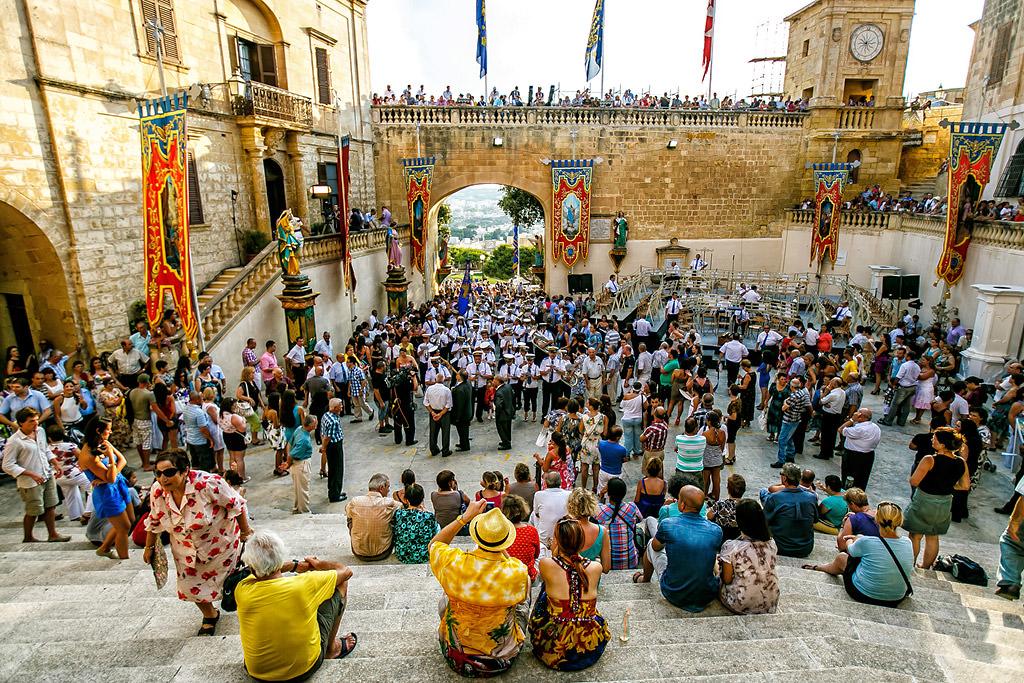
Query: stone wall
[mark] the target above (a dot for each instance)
(984, 93)
(923, 162)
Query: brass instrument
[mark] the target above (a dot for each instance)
(540, 341)
(572, 373)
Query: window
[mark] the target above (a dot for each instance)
(807, 47)
(323, 77)
(327, 174)
(254, 61)
(161, 12)
(853, 156)
(1000, 54)
(195, 199)
(1011, 182)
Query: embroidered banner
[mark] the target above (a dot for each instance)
(972, 146)
(828, 198)
(343, 213)
(570, 227)
(595, 43)
(418, 174)
(515, 250)
(165, 209)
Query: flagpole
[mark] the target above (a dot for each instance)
(711, 55)
(604, 15)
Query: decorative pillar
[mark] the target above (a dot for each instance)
(877, 273)
(298, 298)
(994, 327)
(397, 288)
(252, 143)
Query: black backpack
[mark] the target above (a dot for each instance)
(963, 569)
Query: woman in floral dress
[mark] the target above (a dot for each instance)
(592, 427)
(207, 523)
(749, 582)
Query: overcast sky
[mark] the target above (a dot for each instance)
(654, 43)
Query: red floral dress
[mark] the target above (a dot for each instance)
(205, 539)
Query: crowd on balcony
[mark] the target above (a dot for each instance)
(584, 98)
(875, 199)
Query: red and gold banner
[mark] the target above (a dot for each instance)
(418, 175)
(344, 180)
(972, 146)
(570, 227)
(165, 209)
(828, 200)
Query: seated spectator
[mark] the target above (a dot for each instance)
(549, 506)
(289, 624)
(861, 519)
(582, 506)
(876, 569)
(791, 514)
(370, 520)
(486, 594)
(683, 553)
(833, 508)
(408, 479)
(492, 484)
(448, 500)
(524, 486)
(526, 547)
(749, 582)
(723, 512)
(670, 508)
(566, 630)
(621, 520)
(651, 490)
(414, 527)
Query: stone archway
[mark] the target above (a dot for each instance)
(34, 300)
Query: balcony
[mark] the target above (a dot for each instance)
(267, 105)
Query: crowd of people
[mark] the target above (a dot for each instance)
(874, 198)
(601, 394)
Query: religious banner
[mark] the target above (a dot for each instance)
(972, 147)
(828, 198)
(515, 250)
(418, 174)
(570, 227)
(343, 212)
(165, 210)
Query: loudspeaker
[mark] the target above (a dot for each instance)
(910, 287)
(891, 286)
(581, 284)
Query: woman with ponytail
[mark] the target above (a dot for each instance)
(621, 520)
(567, 632)
(936, 477)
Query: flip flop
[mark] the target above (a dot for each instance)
(345, 650)
(812, 567)
(209, 625)
(637, 576)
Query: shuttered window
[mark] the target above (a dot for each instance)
(323, 76)
(161, 12)
(254, 61)
(1011, 181)
(1000, 54)
(195, 199)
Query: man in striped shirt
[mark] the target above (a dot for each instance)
(332, 450)
(690, 455)
(654, 437)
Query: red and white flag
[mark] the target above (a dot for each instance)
(709, 33)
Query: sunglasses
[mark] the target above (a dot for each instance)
(169, 472)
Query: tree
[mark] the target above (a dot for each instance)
(522, 207)
(457, 257)
(525, 259)
(444, 220)
(499, 263)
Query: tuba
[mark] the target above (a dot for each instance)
(540, 341)
(572, 374)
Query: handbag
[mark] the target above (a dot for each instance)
(543, 438)
(158, 562)
(910, 589)
(231, 581)
(244, 409)
(762, 420)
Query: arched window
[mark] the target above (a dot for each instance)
(853, 156)
(1011, 182)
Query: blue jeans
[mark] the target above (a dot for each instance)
(1011, 561)
(631, 430)
(786, 447)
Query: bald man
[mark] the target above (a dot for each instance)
(682, 555)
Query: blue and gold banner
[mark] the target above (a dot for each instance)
(465, 291)
(165, 209)
(481, 37)
(595, 42)
(570, 184)
(972, 147)
(418, 175)
(829, 180)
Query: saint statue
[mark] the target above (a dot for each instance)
(442, 252)
(620, 229)
(538, 251)
(394, 248)
(289, 241)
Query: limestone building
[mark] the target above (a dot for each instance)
(271, 83)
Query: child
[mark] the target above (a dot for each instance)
(235, 481)
(274, 433)
(408, 479)
(72, 482)
(833, 507)
(489, 400)
(492, 484)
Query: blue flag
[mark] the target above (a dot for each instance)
(515, 250)
(595, 42)
(481, 38)
(464, 292)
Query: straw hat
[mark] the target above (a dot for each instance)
(492, 531)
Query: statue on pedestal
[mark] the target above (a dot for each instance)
(442, 252)
(620, 230)
(394, 248)
(289, 241)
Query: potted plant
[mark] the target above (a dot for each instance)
(253, 242)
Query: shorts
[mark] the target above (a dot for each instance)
(659, 560)
(40, 498)
(692, 478)
(142, 434)
(604, 477)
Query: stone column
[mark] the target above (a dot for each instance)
(994, 326)
(254, 148)
(300, 198)
(877, 273)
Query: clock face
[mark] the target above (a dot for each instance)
(866, 42)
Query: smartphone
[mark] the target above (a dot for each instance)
(490, 505)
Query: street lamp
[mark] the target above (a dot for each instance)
(236, 89)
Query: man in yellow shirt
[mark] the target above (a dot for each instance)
(849, 364)
(487, 594)
(289, 624)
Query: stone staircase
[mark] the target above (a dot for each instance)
(67, 614)
(212, 290)
(918, 188)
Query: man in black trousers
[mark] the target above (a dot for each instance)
(504, 412)
(462, 409)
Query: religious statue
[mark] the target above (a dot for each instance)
(289, 241)
(394, 248)
(538, 251)
(620, 229)
(442, 252)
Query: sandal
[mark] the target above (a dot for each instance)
(812, 567)
(323, 474)
(209, 625)
(637, 576)
(345, 649)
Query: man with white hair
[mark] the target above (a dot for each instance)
(332, 453)
(369, 520)
(289, 623)
(549, 506)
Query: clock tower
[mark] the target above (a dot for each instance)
(848, 58)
